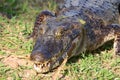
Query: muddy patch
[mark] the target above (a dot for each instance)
(14, 61)
(20, 67)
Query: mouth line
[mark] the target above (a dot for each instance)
(42, 68)
(50, 65)
(42, 65)
(46, 67)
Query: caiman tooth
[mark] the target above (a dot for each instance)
(43, 65)
(48, 64)
(40, 66)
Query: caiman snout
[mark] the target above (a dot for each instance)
(39, 56)
(41, 60)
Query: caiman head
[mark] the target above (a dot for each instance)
(57, 38)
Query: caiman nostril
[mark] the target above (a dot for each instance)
(40, 56)
(37, 56)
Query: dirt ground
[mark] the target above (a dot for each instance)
(23, 68)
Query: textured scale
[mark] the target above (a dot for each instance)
(61, 33)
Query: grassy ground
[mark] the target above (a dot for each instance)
(102, 65)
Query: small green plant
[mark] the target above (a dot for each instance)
(12, 7)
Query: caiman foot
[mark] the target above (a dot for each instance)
(117, 45)
(116, 28)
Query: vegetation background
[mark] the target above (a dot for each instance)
(16, 22)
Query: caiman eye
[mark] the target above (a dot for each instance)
(41, 31)
(59, 32)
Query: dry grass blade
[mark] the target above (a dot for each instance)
(27, 57)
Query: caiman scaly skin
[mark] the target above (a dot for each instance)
(64, 34)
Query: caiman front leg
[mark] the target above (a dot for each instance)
(117, 44)
(116, 28)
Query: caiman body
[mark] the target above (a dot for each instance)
(79, 26)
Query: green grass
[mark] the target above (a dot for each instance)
(94, 67)
(13, 34)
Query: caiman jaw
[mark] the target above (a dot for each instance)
(42, 68)
(49, 65)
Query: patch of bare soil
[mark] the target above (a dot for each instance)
(27, 74)
(16, 63)
(22, 67)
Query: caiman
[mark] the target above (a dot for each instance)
(77, 27)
